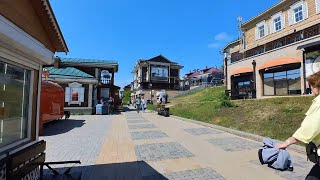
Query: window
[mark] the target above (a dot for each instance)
(244, 87)
(318, 6)
(15, 89)
(74, 94)
(298, 14)
(261, 30)
(282, 83)
(277, 23)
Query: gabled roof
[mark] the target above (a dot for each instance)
(229, 44)
(69, 72)
(212, 70)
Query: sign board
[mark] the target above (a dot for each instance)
(159, 73)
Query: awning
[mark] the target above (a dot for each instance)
(241, 71)
(308, 45)
(279, 62)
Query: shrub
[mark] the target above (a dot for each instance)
(224, 101)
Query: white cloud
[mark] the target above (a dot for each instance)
(214, 45)
(220, 40)
(223, 37)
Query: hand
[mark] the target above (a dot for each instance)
(281, 146)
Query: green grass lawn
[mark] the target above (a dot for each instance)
(275, 117)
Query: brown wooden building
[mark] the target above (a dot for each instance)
(29, 37)
(85, 82)
(156, 73)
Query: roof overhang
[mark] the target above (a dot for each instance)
(302, 47)
(49, 21)
(98, 65)
(228, 45)
(241, 71)
(70, 79)
(279, 62)
(269, 12)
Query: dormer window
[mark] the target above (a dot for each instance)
(261, 30)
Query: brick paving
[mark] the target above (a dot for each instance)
(159, 148)
(161, 151)
(234, 144)
(202, 131)
(148, 135)
(141, 126)
(201, 174)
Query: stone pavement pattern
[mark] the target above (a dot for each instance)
(148, 146)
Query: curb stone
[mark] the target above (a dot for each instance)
(295, 148)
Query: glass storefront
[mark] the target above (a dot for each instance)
(282, 83)
(244, 87)
(14, 103)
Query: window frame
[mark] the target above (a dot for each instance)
(265, 30)
(295, 13)
(291, 13)
(80, 88)
(30, 103)
(273, 27)
(317, 2)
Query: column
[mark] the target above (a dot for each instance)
(96, 89)
(90, 96)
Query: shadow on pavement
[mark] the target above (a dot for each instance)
(128, 170)
(61, 126)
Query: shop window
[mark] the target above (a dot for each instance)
(282, 83)
(15, 84)
(244, 87)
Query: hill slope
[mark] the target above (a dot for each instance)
(275, 117)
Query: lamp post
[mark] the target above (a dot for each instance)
(254, 93)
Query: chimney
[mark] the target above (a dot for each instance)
(206, 67)
(56, 63)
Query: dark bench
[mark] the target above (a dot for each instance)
(28, 163)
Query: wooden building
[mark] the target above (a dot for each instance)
(156, 73)
(29, 37)
(85, 82)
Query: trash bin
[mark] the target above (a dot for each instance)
(166, 112)
(101, 109)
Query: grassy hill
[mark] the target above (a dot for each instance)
(274, 117)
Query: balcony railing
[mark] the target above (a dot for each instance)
(289, 39)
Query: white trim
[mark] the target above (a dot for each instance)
(262, 23)
(294, 6)
(272, 22)
(67, 80)
(17, 58)
(317, 2)
(90, 95)
(24, 41)
(30, 104)
(38, 102)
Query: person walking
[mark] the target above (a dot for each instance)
(143, 104)
(309, 131)
(110, 105)
(138, 103)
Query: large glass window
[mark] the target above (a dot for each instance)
(282, 83)
(14, 102)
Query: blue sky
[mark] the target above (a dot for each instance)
(185, 31)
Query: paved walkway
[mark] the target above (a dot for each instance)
(148, 146)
